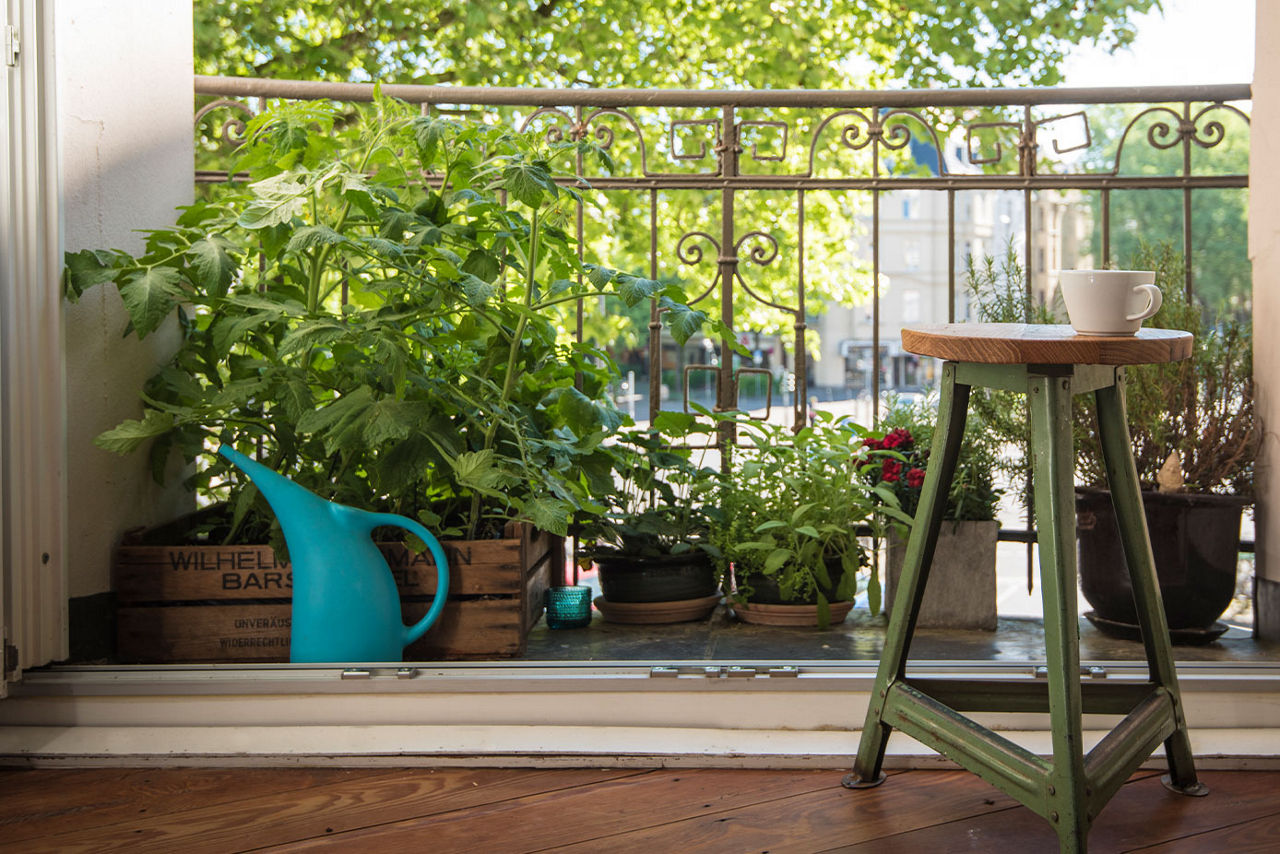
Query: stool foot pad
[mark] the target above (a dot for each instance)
(854, 781)
(1195, 790)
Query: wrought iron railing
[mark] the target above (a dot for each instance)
(1008, 140)
(732, 148)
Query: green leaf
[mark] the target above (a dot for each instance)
(314, 235)
(428, 131)
(600, 277)
(577, 410)
(390, 420)
(477, 291)
(634, 290)
(149, 295)
(482, 264)
(684, 322)
(227, 331)
(312, 333)
(476, 469)
(129, 434)
(212, 264)
(808, 531)
(339, 423)
(528, 182)
(798, 513)
(674, 424)
(873, 593)
(770, 525)
(279, 199)
(776, 559)
(91, 267)
(549, 514)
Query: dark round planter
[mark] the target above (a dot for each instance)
(669, 578)
(764, 588)
(1194, 539)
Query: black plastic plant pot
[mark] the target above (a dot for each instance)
(765, 590)
(1195, 540)
(669, 578)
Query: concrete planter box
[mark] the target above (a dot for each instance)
(961, 592)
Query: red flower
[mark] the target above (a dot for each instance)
(890, 471)
(896, 438)
(915, 478)
(872, 443)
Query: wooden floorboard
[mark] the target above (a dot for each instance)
(575, 811)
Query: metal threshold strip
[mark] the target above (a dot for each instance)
(587, 677)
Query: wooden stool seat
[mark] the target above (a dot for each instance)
(1050, 365)
(1041, 344)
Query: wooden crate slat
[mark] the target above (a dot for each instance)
(193, 573)
(203, 633)
(470, 628)
(496, 592)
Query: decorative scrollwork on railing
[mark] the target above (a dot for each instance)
(1215, 131)
(233, 128)
(1057, 146)
(691, 255)
(971, 131)
(886, 130)
(755, 146)
(763, 253)
(1176, 128)
(676, 151)
(554, 133)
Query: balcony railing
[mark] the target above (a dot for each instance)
(982, 167)
(736, 147)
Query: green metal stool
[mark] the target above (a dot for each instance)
(1050, 364)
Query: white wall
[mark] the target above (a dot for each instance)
(124, 77)
(1264, 251)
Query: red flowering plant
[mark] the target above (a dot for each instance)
(899, 461)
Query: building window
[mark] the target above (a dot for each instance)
(910, 306)
(911, 255)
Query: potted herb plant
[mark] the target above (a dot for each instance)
(378, 313)
(651, 545)
(961, 592)
(788, 509)
(1194, 442)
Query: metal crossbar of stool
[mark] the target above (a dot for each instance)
(1050, 364)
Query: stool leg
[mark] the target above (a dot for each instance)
(909, 591)
(1049, 399)
(1122, 477)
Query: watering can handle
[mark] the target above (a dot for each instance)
(418, 629)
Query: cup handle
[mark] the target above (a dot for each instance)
(1157, 298)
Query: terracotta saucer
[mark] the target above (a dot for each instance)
(678, 611)
(789, 615)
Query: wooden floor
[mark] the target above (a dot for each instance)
(582, 810)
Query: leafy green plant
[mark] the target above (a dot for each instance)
(906, 435)
(1200, 409)
(662, 485)
(789, 506)
(380, 313)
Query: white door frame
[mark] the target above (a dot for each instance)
(32, 395)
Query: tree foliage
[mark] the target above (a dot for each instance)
(659, 43)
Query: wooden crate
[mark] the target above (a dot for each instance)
(180, 604)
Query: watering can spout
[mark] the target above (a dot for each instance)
(345, 603)
(297, 508)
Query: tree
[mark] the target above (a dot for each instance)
(764, 44)
(660, 43)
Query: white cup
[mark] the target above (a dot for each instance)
(1109, 302)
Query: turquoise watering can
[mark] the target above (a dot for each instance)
(345, 603)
